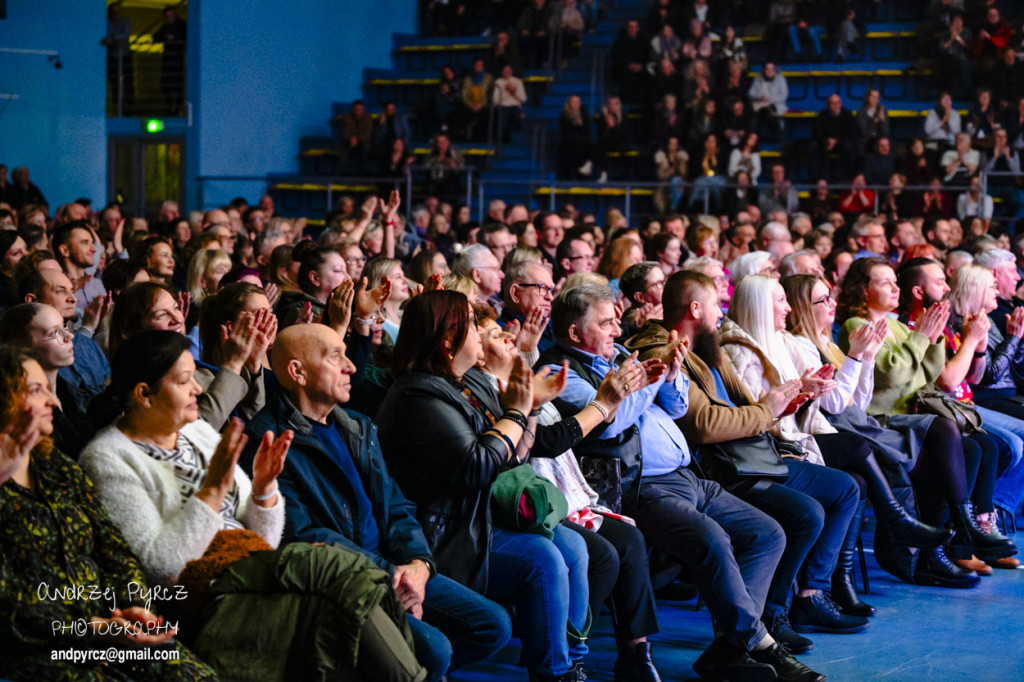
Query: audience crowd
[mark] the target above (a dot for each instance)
(373, 449)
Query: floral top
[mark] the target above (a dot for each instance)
(58, 534)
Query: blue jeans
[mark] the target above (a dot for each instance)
(547, 580)
(1009, 490)
(815, 507)
(730, 548)
(459, 627)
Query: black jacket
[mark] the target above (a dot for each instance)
(431, 439)
(318, 497)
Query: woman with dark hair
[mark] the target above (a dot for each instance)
(142, 306)
(618, 569)
(946, 471)
(446, 435)
(667, 251)
(708, 173)
(168, 478)
(236, 326)
(426, 264)
(321, 270)
(12, 250)
(55, 531)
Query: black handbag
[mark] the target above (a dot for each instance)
(734, 461)
(964, 415)
(604, 475)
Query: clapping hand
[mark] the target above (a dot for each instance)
(268, 464)
(547, 385)
(818, 382)
(17, 441)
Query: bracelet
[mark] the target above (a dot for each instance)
(363, 321)
(269, 496)
(508, 441)
(535, 413)
(516, 417)
(600, 407)
(979, 353)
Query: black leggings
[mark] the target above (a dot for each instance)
(618, 568)
(949, 467)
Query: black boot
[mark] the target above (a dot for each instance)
(935, 568)
(636, 665)
(843, 592)
(905, 529)
(970, 534)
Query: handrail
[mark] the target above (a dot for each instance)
(148, 31)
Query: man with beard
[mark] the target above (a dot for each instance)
(814, 504)
(939, 234)
(730, 548)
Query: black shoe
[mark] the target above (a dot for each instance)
(786, 667)
(721, 661)
(782, 632)
(818, 613)
(935, 568)
(636, 665)
(575, 674)
(845, 597)
(970, 534)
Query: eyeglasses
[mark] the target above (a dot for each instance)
(356, 259)
(721, 279)
(825, 300)
(660, 284)
(62, 333)
(590, 257)
(542, 289)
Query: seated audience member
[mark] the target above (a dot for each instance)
(150, 306)
(666, 249)
(815, 505)
(320, 272)
(158, 255)
(730, 548)
(237, 326)
(55, 531)
(765, 355)
(446, 435)
(805, 262)
(337, 490)
(618, 557)
(622, 253)
(960, 163)
(478, 264)
(12, 250)
(75, 248)
(390, 269)
(879, 163)
(38, 329)
(869, 234)
(641, 286)
(88, 375)
(908, 362)
(702, 240)
(753, 263)
(166, 476)
(171, 485)
(528, 294)
(1003, 265)
(972, 298)
(713, 269)
(942, 124)
(575, 254)
(426, 264)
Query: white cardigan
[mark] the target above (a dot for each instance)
(855, 381)
(143, 499)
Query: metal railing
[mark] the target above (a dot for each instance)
(150, 80)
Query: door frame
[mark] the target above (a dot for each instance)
(138, 209)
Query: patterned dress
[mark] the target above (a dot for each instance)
(58, 533)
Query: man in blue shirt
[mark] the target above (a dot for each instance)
(337, 489)
(730, 548)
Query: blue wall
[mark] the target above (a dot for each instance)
(268, 77)
(261, 76)
(56, 127)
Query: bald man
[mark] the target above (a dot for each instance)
(338, 489)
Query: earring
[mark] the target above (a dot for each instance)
(451, 356)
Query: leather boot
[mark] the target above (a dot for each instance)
(636, 665)
(574, 674)
(905, 529)
(970, 534)
(992, 528)
(843, 592)
(935, 568)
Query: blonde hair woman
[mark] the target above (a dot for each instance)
(205, 271)
(766, 355)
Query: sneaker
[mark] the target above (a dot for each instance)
(785, 666)
(722, 661)
(782, 632)
(818, 613)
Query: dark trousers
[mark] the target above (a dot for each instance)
(814, 506)
(459, 627)
(730, 548)
(618, 569)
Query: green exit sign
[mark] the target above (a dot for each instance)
(154, 125)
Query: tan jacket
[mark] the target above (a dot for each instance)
(708, 418)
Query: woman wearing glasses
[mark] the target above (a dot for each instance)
(39, 329)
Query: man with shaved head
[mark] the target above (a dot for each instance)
(338, 489)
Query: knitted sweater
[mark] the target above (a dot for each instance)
(143, 499)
